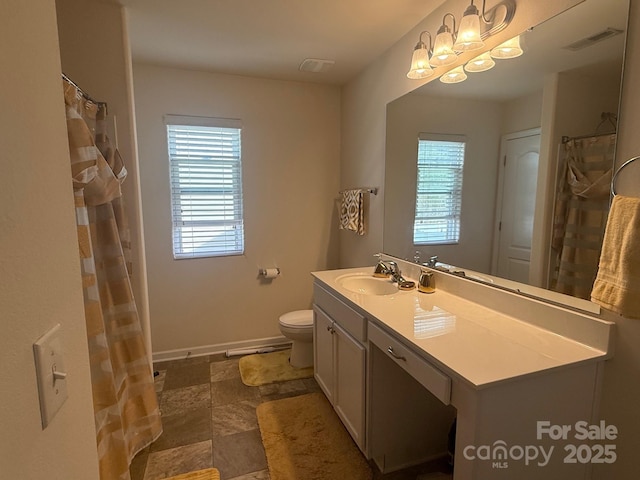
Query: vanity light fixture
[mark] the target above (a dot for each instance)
(443, 53)
(509, 49)
(456, 75)
(481, 63)
(420, 67)
(476, 26)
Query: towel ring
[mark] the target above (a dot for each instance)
(615, 175)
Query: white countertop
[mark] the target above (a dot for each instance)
(464, 339)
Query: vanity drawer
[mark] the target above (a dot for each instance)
(345, 316)
(426, 374)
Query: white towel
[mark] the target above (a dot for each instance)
(617, 285)
(351, 209)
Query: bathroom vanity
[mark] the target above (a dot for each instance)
(399, 366)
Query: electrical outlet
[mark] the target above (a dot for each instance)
(50, 373)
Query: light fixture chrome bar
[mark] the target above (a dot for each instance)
(492, 26)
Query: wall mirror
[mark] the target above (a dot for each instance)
(562, 92)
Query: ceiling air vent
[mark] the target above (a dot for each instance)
(315, 65)
(592, 39)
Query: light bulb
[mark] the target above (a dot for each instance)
(481, 63)
(469, 32)
(456, 75)
(420, 67)
(443, 53)
(509, 49)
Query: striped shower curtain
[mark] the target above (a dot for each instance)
(127, 418)
(581, 209)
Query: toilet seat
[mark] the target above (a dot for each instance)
(298, 319)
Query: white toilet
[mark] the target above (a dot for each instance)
(298, 327)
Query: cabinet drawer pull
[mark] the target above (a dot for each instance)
(395, 355)
(330, 329)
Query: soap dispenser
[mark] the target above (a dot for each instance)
(427, 282)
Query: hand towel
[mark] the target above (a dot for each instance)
(617, 284)
(352, 211)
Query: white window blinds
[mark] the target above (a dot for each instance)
(439, 189)
(206, 186)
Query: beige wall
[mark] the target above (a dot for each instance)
(98, 60)
(582, 97)
(290, 155)
(363, 133)
(523, 113)
(39, 266)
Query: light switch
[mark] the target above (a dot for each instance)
(51, 374)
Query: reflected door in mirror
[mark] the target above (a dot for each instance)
(521, 153)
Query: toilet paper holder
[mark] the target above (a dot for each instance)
(269, 272)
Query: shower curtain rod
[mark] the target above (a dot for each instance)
(84, 94)
(566, 139)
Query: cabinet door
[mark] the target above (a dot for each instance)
(349, 395)
(324, 368)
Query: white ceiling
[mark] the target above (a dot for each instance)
(270, 38)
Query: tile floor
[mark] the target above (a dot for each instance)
(209, 420)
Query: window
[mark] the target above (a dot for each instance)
(439, 189)
(206, 186)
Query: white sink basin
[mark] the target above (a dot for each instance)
(367, 285)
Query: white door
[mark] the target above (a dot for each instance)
(520, 153)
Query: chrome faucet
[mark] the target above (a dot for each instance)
(382, 270)
(396, 274)
(433, 261)
(390, 269)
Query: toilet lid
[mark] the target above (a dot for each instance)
(298, 318)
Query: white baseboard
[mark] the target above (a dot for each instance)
(182, 353)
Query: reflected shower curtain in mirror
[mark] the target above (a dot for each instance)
(127, 417)
(580, 217)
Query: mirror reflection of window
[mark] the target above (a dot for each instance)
(438, 189)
